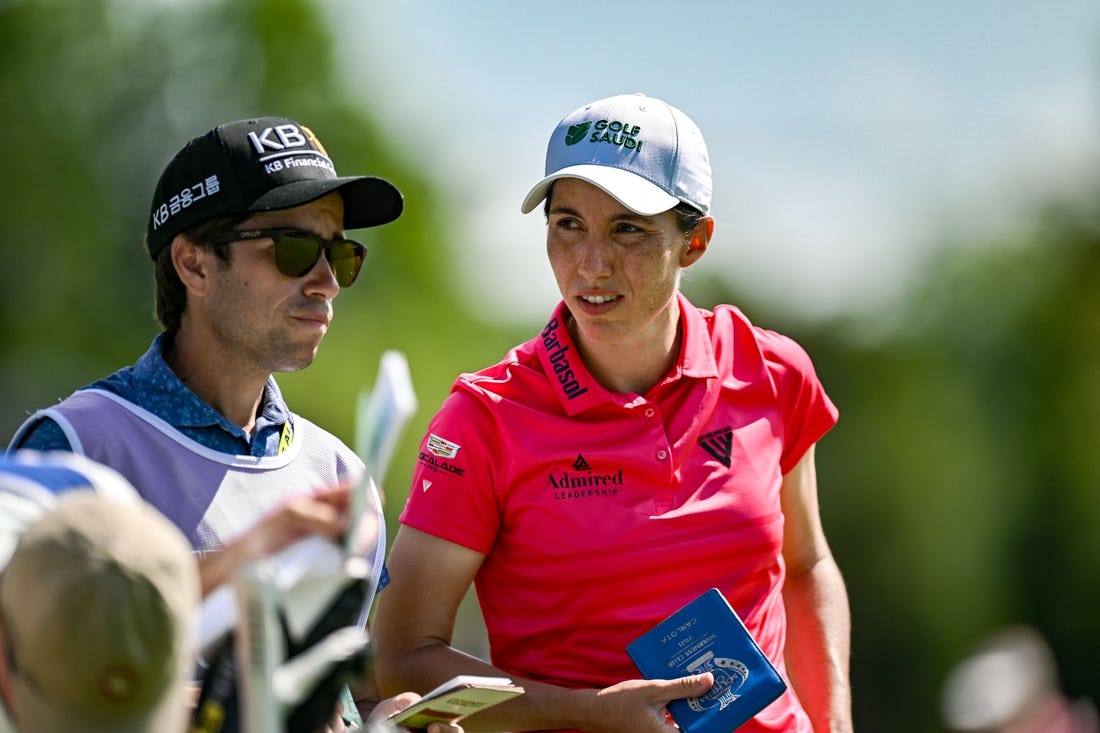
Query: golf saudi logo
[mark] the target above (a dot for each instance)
(576, 133)
(730, 676)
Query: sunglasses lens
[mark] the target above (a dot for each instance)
(346, 257)
(296, 253)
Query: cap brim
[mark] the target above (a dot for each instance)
(368, 201)
(629, 189)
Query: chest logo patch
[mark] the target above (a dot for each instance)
(583, 482)
(719, 443)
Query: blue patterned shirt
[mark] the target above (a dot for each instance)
(151, 384)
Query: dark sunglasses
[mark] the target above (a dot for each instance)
(297, 251)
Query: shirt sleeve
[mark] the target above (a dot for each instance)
(45, 435)
(808, 413)
(454, 492)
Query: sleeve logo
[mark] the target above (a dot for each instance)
(442, 447)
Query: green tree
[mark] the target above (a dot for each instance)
(960, 487)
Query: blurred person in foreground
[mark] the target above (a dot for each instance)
(636, 452)
(96, 611)
(1009, 684)
(30, 485)
(91, 591)
(247, 233)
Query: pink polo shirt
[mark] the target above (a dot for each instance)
(600, 513)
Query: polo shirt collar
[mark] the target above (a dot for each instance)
(569, 378)
(696, 350)
(159, 383)
(576, 388)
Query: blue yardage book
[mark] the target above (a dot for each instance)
(707, 635)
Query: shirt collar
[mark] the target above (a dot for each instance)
(576, 388)
(570, 379)
(696, 350)
(153, 372)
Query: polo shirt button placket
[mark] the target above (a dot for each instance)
(665, 501)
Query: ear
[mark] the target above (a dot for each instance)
(697, 242)
(192, 263)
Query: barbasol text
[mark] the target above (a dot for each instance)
(556, 352)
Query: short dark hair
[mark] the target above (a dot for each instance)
(687, 217)
(170, 297)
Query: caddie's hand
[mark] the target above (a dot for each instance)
(397, 703)
(638, 706)
(323, 512)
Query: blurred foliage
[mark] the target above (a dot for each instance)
(99, 95)
(960, 487)
(959, 491)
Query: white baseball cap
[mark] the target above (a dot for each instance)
(645, 153)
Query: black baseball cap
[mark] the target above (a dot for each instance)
(263, 164)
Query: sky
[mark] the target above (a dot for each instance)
(847, 138)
